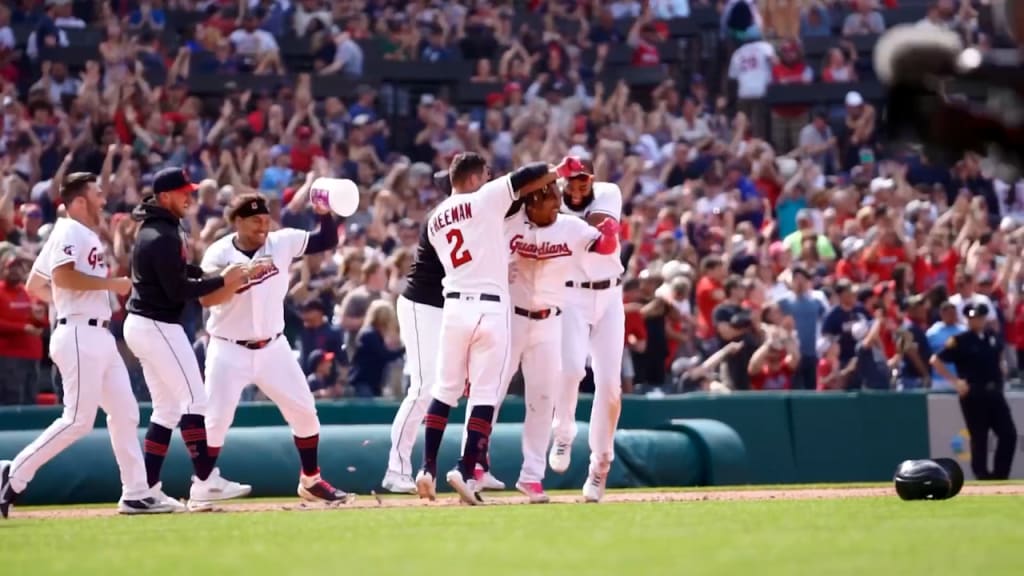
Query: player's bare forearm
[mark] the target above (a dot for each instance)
(68, 278)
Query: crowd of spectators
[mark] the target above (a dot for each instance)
(766, 246)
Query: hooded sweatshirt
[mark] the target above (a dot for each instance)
(162, 278)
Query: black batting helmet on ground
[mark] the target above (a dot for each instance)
(922, 480)
(956, 474)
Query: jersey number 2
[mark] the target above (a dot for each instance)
(458, 255)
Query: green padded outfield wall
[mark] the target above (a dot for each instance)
(353, 458)
(789, 437)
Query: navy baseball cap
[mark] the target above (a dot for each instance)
(976, 311)
(173, 180)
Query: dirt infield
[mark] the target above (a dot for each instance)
(505, 499)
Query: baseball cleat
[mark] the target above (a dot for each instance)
(398, 483)
(486, 481)
(593, 490)
(157, 492)
(426, 486)
(534, 491)
(316, 489)
(147, 505)
(466, 489)
(200, 506)
(214, 489)
(6, 492)
(560, 456)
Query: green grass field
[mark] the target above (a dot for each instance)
(969, 535)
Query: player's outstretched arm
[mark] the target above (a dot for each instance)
(531, 178)
(242, 271)
(171, 271)
(325, 238)
(536, 176)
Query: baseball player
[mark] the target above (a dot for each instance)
(545, 246)
(419, 312)
(594, 323)
(465, 231)
(161, 283)
(72, 274)
(245, 326)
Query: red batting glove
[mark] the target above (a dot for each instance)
(570, 166)
(608, 227)
(609, 239)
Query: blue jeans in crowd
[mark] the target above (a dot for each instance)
(910, 383)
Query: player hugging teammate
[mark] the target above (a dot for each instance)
(526, 297)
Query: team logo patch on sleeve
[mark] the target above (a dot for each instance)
(69, 250)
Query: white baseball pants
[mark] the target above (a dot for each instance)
(594, 322)
(231, 367)
(170, 367)
(417, 325)
(94, 376)
(536, 345)
(474, 346)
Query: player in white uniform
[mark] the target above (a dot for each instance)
(465, 230)
(245, 326)
(594, 323)
(419, 310)
(84, 351)
(546, 247)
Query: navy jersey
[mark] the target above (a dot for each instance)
(425, 275)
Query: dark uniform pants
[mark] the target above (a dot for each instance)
(983, 412)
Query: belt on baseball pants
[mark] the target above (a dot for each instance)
(86, 321)
(252, 344)
(600, 285)
(537, 314)
(484, 297)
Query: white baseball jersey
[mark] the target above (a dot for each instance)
(544, 257)
(72, 241)
(256, 311)
(597, 267)
(751, 68)
(466, 231)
